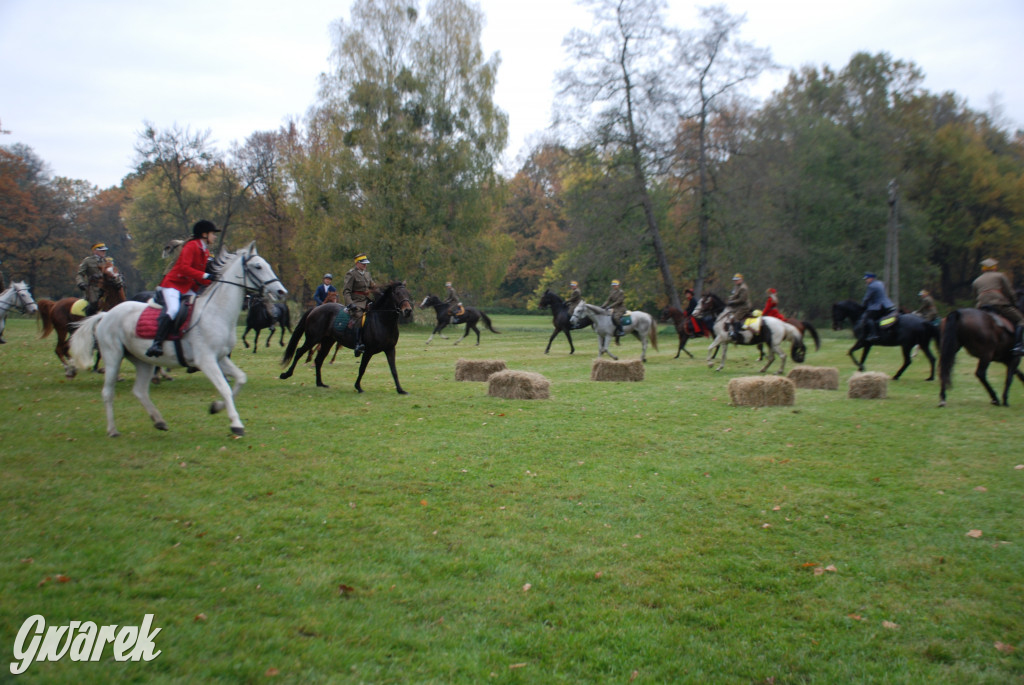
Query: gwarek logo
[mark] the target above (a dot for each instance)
(81, 641)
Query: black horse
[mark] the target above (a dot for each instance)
(445, 316)
(560, 316)
(986, 336)
(261, 316)
(847, 309)
(380, 332)
(909, 330)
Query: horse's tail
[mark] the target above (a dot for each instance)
(487, 322)
(949, 345)
(84, 341)
(654, 335)
(297, 333)
(46, 316)
(814, 334)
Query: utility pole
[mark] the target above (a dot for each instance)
(891, 275)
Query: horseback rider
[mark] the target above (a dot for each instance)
(617, 303)
(575, 297)
(356, 292)
(771, 305)
(90, 277)
(927, 310)
(455, 307)
(188, 273)
(995, 293)
(738, 305)
(324, 289)
(876, 304)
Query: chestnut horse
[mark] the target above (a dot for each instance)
(57, 316)
(986, 336)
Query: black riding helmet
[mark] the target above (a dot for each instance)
(204, 226)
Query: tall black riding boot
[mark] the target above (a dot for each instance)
(163, 329)
(358, 349)
(1018, 341)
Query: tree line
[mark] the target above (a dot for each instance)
(659, 170)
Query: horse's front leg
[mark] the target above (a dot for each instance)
(244, 342)
(572, 348)
(858, 345)
(551, 340)
(390, 354)
(362, 369)
(725, 351)
(906, 362)
(982, 374)
(270, 335)
(217, 370)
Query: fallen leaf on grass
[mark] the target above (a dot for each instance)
(61, 578)
(974, 533)
(27, 560)
(598, 574)
(522, 665)
(1004, 648)
(199, 618)
(346, 590)
(981, 488)
(819, 571)
(634, 675)
(44, 581)
(271, 672)
(526, 588)
(890, 625)
(856, 617)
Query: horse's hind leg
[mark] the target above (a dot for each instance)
(981, 373)
(906, 363)
(143, 378)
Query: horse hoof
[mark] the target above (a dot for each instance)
(216, 407)
(942, 403)
(238, 430)
(322, 385)
(402, 392)
(113, 434)
(160, 426)
(285, 375)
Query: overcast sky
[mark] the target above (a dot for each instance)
(79, 77)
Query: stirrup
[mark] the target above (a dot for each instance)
(156, 350)
(359, 349)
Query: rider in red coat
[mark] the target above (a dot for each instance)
(771, 305)
(188, 272)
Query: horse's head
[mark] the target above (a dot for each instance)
(429, 301)
(112, 275)
(549, 299)
(256, 272)
(395, 296)
(25, 301)
(331, 297)
(667, 315)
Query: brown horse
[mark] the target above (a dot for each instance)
(58, 316)
(985, 336)
(380, 332)
(686, 326)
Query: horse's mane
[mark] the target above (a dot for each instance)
(385, 292)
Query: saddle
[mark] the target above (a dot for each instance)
(1000, 320)
(457, 312)
(146, 326)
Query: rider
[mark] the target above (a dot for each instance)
(995, 293)
(617, 303)
(927, 310)
(453, 301)
(575, 296)
(738, 304)
(323, 289)
(356, 291)
(90, 277)
(188, 273)
(771, 305)
(876, 304)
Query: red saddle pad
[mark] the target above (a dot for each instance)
(146, 326)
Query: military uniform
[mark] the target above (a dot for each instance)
(356, 293)
(617, 303)
(90, 280)
(994, 292)
(738, 303)
(453, 301)
(927, 311)
(575, 297)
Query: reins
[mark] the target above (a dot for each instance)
(17, 303)
(244, 285)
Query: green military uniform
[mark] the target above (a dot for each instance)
(575, 297)
(356, 293)
(89, 278)
(617, 303)
(927, 311)
(453, 301)
(739, 300)
(994, 292)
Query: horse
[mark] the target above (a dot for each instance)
(770, 332)
(144, 296)
(206, 343)
(846, 309)
(380, 332)
(909, 330)
(642, 326)
(686, 325)
(15, 297)
(469, 317)
(985, 336)
(263, 315)
(58, 316)
(560, 317)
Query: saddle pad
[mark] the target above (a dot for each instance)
(887, 321)
(146, 326)
(340, 322)
(626, 320)
(78, 308)
(753, 323)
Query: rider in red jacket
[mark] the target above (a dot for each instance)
(771, 305)
(188, 272)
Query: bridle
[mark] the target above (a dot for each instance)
(244, 285)
(19, 303)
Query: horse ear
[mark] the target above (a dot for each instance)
(251, 248)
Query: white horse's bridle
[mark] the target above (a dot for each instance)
(22, 300)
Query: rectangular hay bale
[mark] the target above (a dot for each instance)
(762, 391)
(870, 385)
(477, 369)
(623, 370)
(815, 377)
(518, 385)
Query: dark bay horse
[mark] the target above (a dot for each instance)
(908, 331)
(686, 327)
(847, 309)
(380, 332)
(470, 317)
(560, 316)
(261, 315)
(983, 335)
(58, 316)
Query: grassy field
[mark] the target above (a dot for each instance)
(618, 532)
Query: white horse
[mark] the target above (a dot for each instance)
(642, 326)
(206, 343)
(766, 330)
(15, 297)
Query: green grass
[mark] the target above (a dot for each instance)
(665, 535)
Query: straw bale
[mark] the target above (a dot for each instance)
(815, 377)
(870, 385)
(762, 391)
(518, 385)
(624, 370)
(477, 370)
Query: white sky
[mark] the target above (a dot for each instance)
(79, 77)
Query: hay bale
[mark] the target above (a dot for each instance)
(609, 370)
(762, 391)
(815, 377)
(518, 385)
(477, 370)
(870, 385)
